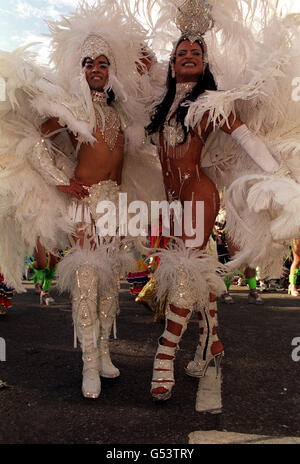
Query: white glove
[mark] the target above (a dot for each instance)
(256, 149)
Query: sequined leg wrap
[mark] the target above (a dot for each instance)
(108, 310)
(84, 305)
(181, 300)
(209, 347)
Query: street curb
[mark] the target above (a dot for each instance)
(231, 438)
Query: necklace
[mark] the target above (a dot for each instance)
(107, 119)
(181, 91)
(173, 131)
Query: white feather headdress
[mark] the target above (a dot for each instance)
(102, 27)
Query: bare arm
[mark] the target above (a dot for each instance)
(234, 123)
(51, 126)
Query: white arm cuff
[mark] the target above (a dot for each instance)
(41, 161)
(256, 149)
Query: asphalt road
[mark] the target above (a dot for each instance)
(42, 403)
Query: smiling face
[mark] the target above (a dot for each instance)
(96, 72)
(188, 65)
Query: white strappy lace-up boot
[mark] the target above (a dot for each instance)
(181, 303)
(209, 347)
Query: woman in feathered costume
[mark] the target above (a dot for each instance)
(188, 119)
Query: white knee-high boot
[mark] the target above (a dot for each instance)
(108, 309)
(84, 309)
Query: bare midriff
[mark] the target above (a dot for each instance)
(98, 163)
(184, 180)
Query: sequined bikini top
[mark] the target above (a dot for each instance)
(107, 119)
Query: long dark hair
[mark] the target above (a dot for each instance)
(205, 81)
(110, 96)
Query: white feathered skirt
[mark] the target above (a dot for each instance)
(107, 254)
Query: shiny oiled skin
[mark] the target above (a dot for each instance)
(198, 187)
(94, 162)
(97, 162)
